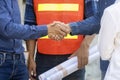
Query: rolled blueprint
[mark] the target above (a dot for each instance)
(68, 67)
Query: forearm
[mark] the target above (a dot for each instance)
(14, 30)
(88, 26)
(31, 62)
(18, 31)
(88, 40)
(30, 45)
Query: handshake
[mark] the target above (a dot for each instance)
(58, 30)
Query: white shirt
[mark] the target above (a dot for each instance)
(117, 1)
(109, 40)
(109, 36)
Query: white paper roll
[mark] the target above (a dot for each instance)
(68, 67)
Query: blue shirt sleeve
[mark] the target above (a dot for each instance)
(10, 29)
(91, 23)
(88, 26)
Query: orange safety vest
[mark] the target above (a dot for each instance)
(46, 12)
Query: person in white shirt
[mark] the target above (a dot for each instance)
(109, 40)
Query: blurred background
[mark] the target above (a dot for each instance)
(92, 70)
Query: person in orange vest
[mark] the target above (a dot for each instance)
(50, 52)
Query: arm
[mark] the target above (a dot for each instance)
(12, 30)
(30, 44)
(86, 27)
(91, 23)
(83, 52)
(107, 35)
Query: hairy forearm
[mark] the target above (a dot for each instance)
(30, 44)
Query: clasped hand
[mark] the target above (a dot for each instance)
(58, 30)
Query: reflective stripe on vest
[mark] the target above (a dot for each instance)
(64, 10)
(58, 7)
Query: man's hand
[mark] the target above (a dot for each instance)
(83, 51)
(82, 54)
(57, 30)
(32, 69)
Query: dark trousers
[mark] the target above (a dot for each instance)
(46, 62)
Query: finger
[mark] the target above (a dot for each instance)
(30, 72)
(79, 62)
(86, 57)
(60, 32)
(56, 22)
(65, 28)
(83, 61)
(34, 72)
(32, 78)
(30, 75)
(86, 60)
(73, 55)
(52, 36)
(58, 37)
(62, 29)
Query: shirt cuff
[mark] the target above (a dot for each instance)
(74, 28)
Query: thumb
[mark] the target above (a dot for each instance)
(73, 55)
(34, 72)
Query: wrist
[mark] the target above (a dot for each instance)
(31, 57)
(69, 28)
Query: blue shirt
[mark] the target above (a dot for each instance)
(11, 30)
(90, 24)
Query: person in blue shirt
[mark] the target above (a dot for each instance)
(12, 66)
(39, 66)
(91, 26)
